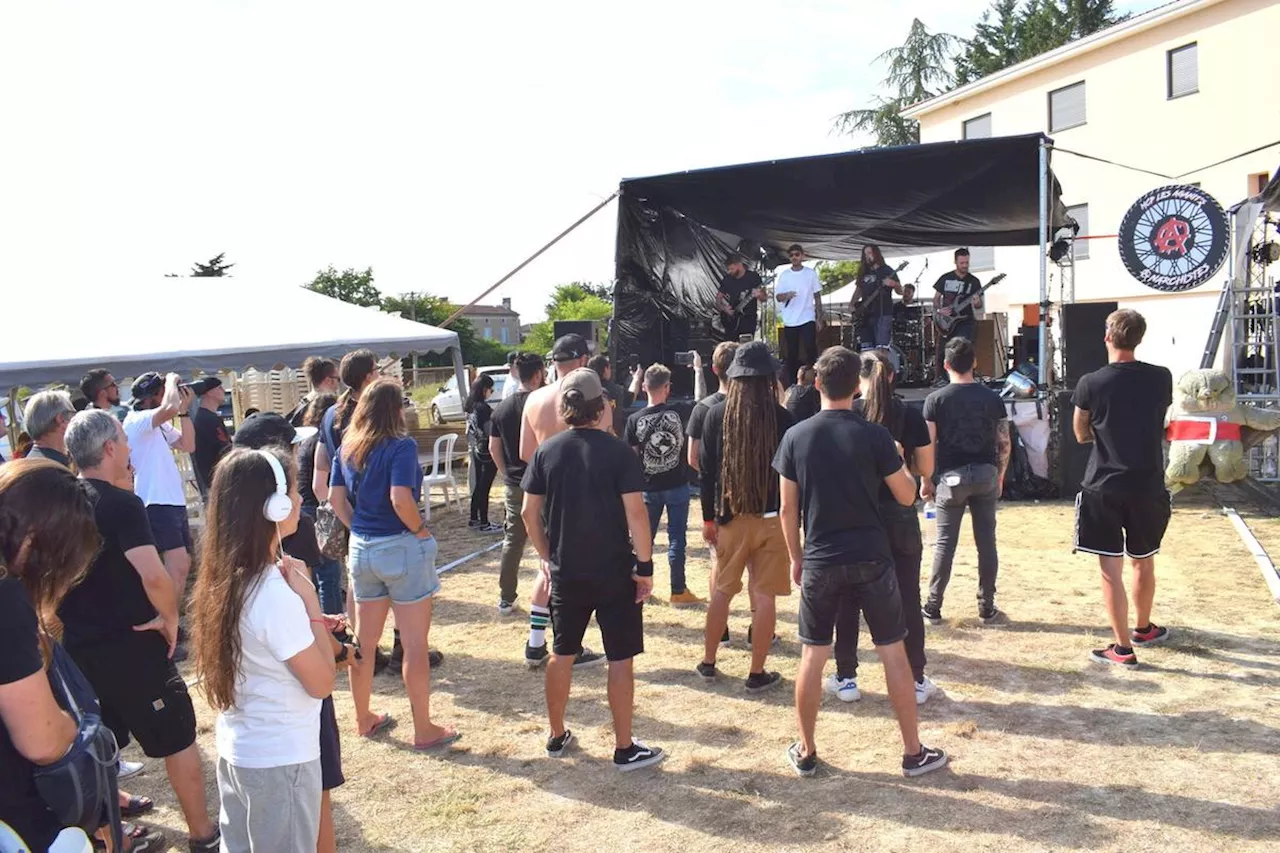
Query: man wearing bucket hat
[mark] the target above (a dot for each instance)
(740, 504)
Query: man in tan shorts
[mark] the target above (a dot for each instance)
(740, 502)
(540, 421)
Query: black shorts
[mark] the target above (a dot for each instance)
(869, 587)
(1118, 525)
(141, 692)
(330, 747)
(169, 527)
(620, 618)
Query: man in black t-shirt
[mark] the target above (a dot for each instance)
(873, 300)
(948, 290)
(656, 432)
(737, 299)
(846, 561)
(584, 510)
(212, 441)
(1123, 506)
(619, 398)
(504, 447)
(120, 624)
(970, 429)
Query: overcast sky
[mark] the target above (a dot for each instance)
(439, 143)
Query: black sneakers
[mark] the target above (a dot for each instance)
(724, 639)
(636, 756)
(587, 658)
(773, 644)
(990, 615)
(804, 765)
(556, 746)
(535, 656)
(932, 614)
(708, 672)
(925, 761)
(758, 681)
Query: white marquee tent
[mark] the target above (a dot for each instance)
(186, 325)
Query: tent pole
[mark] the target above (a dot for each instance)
(530, 260)
(1044, 264)
(460, 371)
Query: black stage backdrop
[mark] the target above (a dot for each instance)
(675, 231)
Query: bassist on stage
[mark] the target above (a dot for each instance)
(951, 288)
(737, 297)
(872, 305)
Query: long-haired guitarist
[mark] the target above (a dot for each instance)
(737, 297)
(873, 301)
(953, 287)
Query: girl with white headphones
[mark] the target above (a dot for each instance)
(264, 656)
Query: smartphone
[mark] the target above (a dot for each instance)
(685, 358)
(634, 361)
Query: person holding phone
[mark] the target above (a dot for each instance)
(263, 656)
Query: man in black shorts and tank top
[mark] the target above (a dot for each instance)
(1123, 507)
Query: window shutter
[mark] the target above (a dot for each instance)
(1184, 71)
(978, 128)
(1066, 107)
(1080, 213)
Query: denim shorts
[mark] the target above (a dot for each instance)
(400, 567)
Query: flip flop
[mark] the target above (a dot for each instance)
(136, 806)
(440, 742)
(379, 726)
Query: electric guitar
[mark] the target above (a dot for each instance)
(947, 322)
(859, 308)
(730, 320)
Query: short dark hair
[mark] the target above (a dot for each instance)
(735, 258)
(529, 365)
(319, 369)
(795, 247)
(1126, 328)
(577, 412)
(838, 372)
(511, 357)
(93, 383)
(962, 252)
(599, 363)
(959, 355)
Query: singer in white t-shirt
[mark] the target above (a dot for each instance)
(799, 295)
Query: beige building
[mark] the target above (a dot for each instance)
(1177, 89)
(495, 322)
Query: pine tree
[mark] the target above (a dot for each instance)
(213, 269)
(1012, 31)
(996, 43)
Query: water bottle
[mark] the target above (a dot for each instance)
(930, 521)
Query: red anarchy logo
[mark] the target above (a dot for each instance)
(1170, 239)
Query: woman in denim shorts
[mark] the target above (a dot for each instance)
(374, 488)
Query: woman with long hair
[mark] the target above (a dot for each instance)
(740, 501)
(358, 370)
(48, 539)
(375, 489)
(479, 414)
(880, 405)
(263, 656)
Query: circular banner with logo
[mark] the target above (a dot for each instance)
(1174, 238)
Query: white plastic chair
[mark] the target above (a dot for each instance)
(441, 474)
(68, 841)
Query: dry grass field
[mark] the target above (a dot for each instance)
(1049, 751)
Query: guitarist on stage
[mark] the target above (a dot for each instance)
(737, 297)
(873, 301)
(949, 289)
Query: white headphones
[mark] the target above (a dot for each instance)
(278, 507)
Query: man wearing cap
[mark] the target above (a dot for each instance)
(591, 568)
(212, 441)
(47, 415)
(157, 401)
(539, 422)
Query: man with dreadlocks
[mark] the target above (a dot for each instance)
(740, 506)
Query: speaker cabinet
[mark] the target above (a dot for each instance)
(1083, 326)
(986, 356)
(1073, 457)
(588, 329)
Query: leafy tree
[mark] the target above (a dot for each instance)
(433, 310)
(836, 274)
(349, 285)
(1012, 31)
(213, 269)
(997, 42)
(572, 301)
(918, 69)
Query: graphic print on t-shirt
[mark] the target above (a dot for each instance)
(661, 438)
(953, 289)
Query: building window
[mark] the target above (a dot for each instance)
(488, 333)
(1080, 213)
(1066, 107)
(1183, 71)
(504, 335)
(982, 258)
(978, 128)
(1258, 182)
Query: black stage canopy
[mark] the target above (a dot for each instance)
(675, 231)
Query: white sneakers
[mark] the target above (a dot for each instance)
(924, 689)
(845, 689)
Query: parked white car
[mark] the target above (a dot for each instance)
(447, 404)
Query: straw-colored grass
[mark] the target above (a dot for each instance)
(1049, 751)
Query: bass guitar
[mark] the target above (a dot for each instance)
(947, 322)
(859, 307)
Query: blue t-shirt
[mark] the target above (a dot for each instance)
(394, 462)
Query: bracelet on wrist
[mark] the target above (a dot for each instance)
(644, 568)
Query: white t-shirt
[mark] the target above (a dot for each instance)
(510, 386)
(158, 481)
(274, 721)
(805, 285)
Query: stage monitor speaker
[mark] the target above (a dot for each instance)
(1083, 327)
(589, 329)
(1073, 457)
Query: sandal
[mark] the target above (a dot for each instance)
(137, 805)
(380, 725)
(439, 743)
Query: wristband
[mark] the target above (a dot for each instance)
(644, 568)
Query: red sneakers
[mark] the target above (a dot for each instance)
(1113, 655)
(1150, 636)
